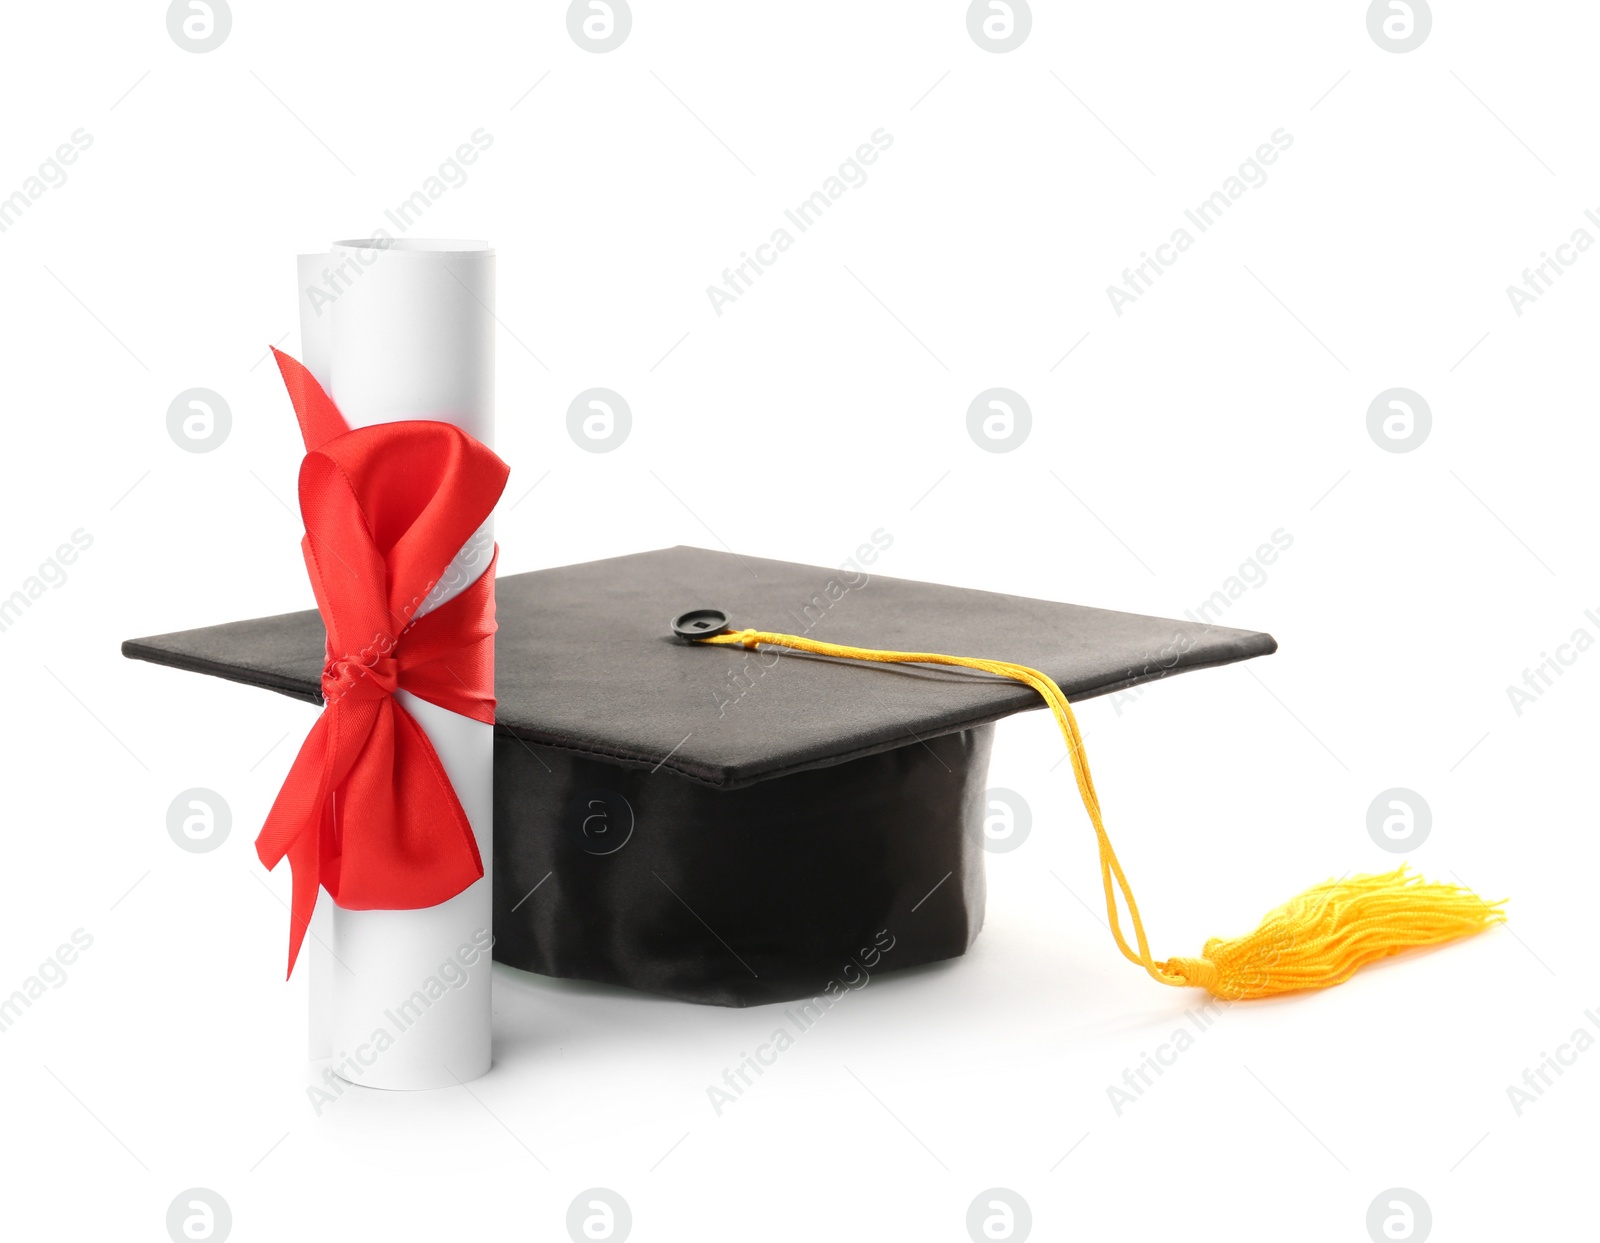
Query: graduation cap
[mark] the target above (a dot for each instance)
(691, 806)
(736, 816)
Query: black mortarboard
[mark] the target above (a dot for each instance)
(733, 826)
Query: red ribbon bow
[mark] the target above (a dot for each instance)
(367, 810)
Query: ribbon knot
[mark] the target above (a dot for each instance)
(370, 676)
(367, 811)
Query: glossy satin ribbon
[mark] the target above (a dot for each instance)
(367, 810)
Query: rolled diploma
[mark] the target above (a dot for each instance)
(404, 330)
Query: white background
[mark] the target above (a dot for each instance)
(1225, 404)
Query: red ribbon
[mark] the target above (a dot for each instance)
(367, 810)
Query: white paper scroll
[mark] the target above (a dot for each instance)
(404, 330)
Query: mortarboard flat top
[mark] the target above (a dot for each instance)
(586, 661)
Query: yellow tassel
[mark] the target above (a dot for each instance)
(1332, 930)
(1316, 940)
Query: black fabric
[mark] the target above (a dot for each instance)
(798, 887)
(585, 660)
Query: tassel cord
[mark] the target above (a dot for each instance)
(1316, 940)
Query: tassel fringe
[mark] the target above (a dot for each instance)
(1332, 930)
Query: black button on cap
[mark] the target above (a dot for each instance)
(699, 623)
